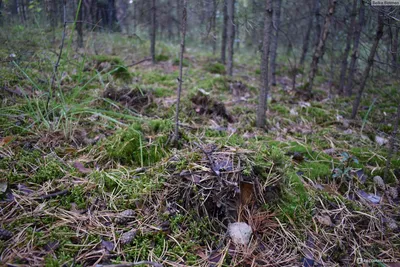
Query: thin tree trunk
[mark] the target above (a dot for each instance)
(394, 50)
(231, 35)
(262, 104)
(356, 49)
(153, 31)
(320, 49)
(79, 24)
(370, 62)
(306, 40)
(1, 13)
(317, 11)
(23, 11)
(276, 17)
(213, 26)
(180, 81)
(347, 48)
(224, 31)
(392, 143)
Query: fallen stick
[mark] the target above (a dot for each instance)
(137, 63)
(156, 264)
(55, 194)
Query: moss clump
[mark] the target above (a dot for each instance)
(316, 170)
(163, 92)
(214, 83)
(185, 62)
(110, 59)
(216, 68)
(161, 57)
(47, 172)
(116, 66)
(130, 146)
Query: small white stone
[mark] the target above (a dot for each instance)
(380, 140)
(240, 233)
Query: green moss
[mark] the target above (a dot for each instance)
(296, 204)
(130, 146)
(316, 170)
(49, 171)
(279, 108)
(161, 57)
(110, 59)
(216, 68)
(214, 83)
(320, 115)
(185, 62)
(77, 196)
(163, 92)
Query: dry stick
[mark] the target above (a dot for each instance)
(183, 31)
(52, 195)
(131, 264)
(139, 62)
(391, 144)
(53, 78)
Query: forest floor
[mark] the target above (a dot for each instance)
(90, 176)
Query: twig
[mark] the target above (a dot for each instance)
(131, 264)
(217, 173)
(179, 90)
(5, 88)
(138, 62)
(53, 78)
(55, 194)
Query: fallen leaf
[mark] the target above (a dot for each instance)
(78, 165)
(109, 246)
(374, 199)
(3, 187)
(246, 193)
(5, 140)
(324, 219)
(330, 151)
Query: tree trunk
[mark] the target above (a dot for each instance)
(262, 104)
(213, 26)
(224, 31)
(1, 13)
(153, 31)
(306, 40)
(346, 52)
(276, 17)
(394, 50)
(317, 11)
(370, 62)
(231, 35)
(23, 15)
(79, 24)
(320, 49)
(356, 49)
(180, 81)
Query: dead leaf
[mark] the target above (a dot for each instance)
(3, 187)
(246, 193)
(374, 199)
(324, 219)
(6, 140)
(330, 151)
(109, 246)
(78, 165)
